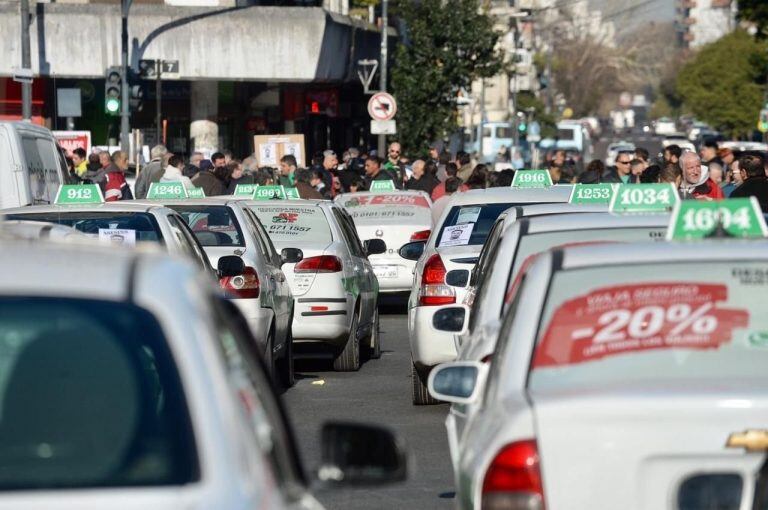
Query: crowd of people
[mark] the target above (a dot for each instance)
(712, 174)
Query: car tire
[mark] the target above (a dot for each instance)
(285, 369)
(373, 342)
(421, 396)
(349, 359)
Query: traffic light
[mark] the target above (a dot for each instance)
(113, 91)
(522, 123)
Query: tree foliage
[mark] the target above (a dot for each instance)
(755, 11)
(723, 84)
(447, 45)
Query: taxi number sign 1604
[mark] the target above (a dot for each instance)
(644, 198)
(696, 219)
(532, 179)
(591, 194)
(74, 194)
(166, 190)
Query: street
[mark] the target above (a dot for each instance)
(379, 393)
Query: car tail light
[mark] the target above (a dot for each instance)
(320, 264)
(433, 290)
(513, 480)
(421, 235)
(243, 286)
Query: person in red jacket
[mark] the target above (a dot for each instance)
(696, 181)
(114, 185)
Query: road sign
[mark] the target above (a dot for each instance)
(532, 179)
(645, 198)
(696, 219)
(382, 106)
(383, 127)
(168, 69)
(22, 75)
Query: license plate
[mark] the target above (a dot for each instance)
(385, 271)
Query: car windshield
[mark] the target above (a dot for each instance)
(469, 224)
(89, 397)
(391, 209)
(304, 224)
(691, 323)
(120, 227)
(213, 225)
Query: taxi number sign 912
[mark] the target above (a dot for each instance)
(79, 194)
(644, 198)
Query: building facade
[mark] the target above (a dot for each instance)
(700, 22)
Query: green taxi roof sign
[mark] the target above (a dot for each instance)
(644, 198)
(384, 185)
(166, 191)
(698, 219)
(291, 192)
(591, 194)
(196, 193)
(245, 190)
(268, 193)
(75, 194)
(532, 179)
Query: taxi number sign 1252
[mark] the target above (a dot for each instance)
(697, 219)
(268, 193)
(74, 194)
(644, 198)
(532, 179)
(166, 190)
(591, 194)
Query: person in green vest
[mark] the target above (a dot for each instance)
(392, 165)
(375, 172)
(287, 170)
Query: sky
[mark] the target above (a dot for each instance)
(631, 13)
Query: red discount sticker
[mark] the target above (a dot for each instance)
(631, 318)
(394, 199)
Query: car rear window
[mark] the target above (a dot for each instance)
(388, 209)
(469, 224)
(123, 227)
(306, 224)
(89, 397)
(213, 225)
(683, 322)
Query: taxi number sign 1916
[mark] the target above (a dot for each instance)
(532, 179)
(696, 219)
(591, 194)
(74, 194)
(644, 198)
(166, 190)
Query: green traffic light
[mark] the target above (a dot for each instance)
(522, 127)
(112, 105)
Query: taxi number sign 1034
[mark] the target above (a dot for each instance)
(532, 179)
(696, 219)
(591, 193)
(644, 198)
(166, 190)
(73, 194)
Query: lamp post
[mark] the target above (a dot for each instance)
(383, 69)
(125, 114)
(26, 63)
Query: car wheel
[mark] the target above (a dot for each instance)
(421, 396)
(373, 342)
(285, 367)
(349, 359)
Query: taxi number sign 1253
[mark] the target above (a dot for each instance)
(268, 193)
(532, 179)
(697, 219)
(644, 198)
(591, 194)
(166, 190)
(74, 194)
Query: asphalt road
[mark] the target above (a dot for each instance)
(379, 393)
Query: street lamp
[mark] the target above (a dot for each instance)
(125, 124)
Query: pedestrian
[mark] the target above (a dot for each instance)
(328, 168)
(672, 154)
(375, 172)
(559, 157)
(752, 168)
(708, 153)
(317, 182)
(726, 156)
(644, 156)
(219, 160)
(350, 170)
(288, 167)
(451, 186)
(356, 184)
(651, 175)
(228, 157)
(479, 177)
(593, 174)
(206, 179)
(393, 165)
(556, 173)
(451, 170)
(264, 176)
(443, 160)
(105, 160)
(424, 176)
(237, 176)
(636, 168)
(672, 174)
(733, 178)
(463, 161)
(306, 191)
(115, 187)
(94, 174)
(502, 179)
(173, 172)
(621, 173)
(152, 172)
(196, 158)
(79, 162)
(696, 182)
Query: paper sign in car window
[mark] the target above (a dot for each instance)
(625, 319)
(118, 236)
(457, 235)
(468, 215)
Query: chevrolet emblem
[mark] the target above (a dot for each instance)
(752, 440)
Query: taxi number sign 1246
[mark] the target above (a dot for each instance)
(74, 194)
(644, 198)
(696, 219)
(532, 179)
(591, 194)
(166, 190)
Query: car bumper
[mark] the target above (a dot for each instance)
(393, 276)
(323, 320)
(429, 347)
(259, 319)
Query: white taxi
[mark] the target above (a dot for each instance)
(21, 229)
(334, 287)
(397, 218)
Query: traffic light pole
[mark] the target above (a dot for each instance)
(26, 62)
(125, 124)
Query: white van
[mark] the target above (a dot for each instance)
(31, 166)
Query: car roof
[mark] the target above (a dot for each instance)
(186, 201)
(559, 208)
(120, 206)
(32, 229)
(558, 193)
(290, 203)
(586, 221)
(374, 193)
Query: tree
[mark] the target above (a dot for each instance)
(447, 45)
(723, 84)
(755, 11)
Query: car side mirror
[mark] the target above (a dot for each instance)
(230, 265)
(291, 256)
(452, 319)
(359, 454)
(374, 246)
(458, 382)
(457, 278)
(412, 251)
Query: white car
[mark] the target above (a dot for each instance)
(626, 376)
(135, 386)
(681, 141)
(334, 287)
(664, 126)
(22, 229)
(227, 228)
(397, 218)
(444, 265)
(614, 149)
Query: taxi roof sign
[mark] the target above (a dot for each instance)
(245, 190)
(291, 192)
(196, 193)
(644, 198)
(384, 185)
(167, 190)
(532, 179)
(76, 194)
(591, 193)
(268, 193)
(698, 219)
